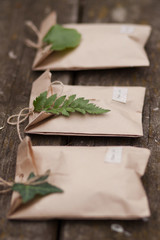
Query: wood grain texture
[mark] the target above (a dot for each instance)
(16, 79)
(15, 86)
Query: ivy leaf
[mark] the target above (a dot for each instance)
(35, 185)
(62, 38)
(63, 106)
(31, 175)
(40, 178)
(28, 192)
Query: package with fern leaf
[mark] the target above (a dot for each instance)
(59, 109)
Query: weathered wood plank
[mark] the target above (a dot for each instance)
(134, 12)
(16, 80)
(15, 86)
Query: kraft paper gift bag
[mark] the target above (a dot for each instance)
(124, 118)
(102, 46)
(97, 182)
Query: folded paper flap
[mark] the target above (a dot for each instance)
(40, 85)
(37, 118)
(25, 160)
(44, 52)
(26, 164)
(88, 181)
(41, 55)
(47, 23)
(137, 159)
(140, 33)
(43, 83)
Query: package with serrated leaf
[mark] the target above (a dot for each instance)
(95, 182)
(85, 110)
(90, 46)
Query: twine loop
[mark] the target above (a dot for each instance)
(21, 116)
(19, 120)
(54, 83)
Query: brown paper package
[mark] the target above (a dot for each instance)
(93, 188)
(102, 46)
(124, 119)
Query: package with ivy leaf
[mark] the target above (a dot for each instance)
(93, 182)
(90, 46)
(84, 110)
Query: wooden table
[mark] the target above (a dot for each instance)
(16, 79)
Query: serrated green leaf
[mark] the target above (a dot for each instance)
(64, 112)
(80, 110)
(68, 101)
(71, 99)
(79, 103)
(39, 102)
(93, 109)
(53, 111)
(28, 192)
(63, 106)
(62, 38)
(49, 101)
(69, 109)
(59, 101)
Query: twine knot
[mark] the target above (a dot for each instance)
(21, 116)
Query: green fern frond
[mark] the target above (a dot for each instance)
(65, 106)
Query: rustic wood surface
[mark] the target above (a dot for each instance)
(16, 79)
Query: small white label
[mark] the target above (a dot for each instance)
(114, 155)
(120, 94)
(126, 29)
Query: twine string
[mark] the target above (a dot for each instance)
(33, 27)
(33, 181)
(2, 127)
(21, 117)
(5, 183)
(30, 43)
(18, 116)
(24, 115)
(18, 120)
(54, 83)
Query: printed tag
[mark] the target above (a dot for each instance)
(120, 94)
(126, 29)
(114, 155)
